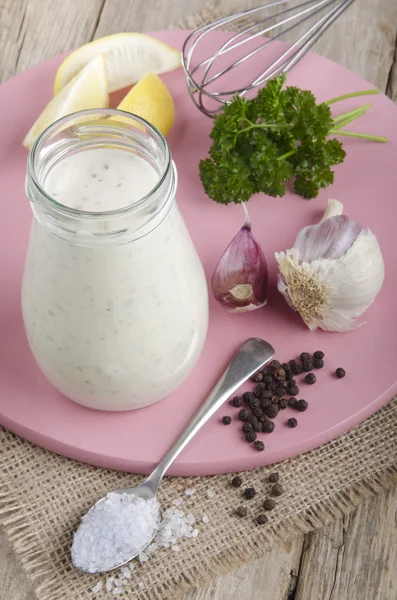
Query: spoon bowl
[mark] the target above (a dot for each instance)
(126, 520)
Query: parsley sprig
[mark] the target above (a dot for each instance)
(260, 144)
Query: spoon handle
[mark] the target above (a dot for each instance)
(252, 356)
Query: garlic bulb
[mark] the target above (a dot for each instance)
(333, 273)
(240, 280)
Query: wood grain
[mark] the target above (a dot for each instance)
(356, 557)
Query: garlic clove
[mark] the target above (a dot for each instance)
(240, 280)
(331, 238)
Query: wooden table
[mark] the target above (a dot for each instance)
(356, 557)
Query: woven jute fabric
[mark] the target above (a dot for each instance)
(43, 496)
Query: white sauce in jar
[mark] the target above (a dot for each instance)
(116, 326)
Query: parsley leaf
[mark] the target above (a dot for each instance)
(258, 145)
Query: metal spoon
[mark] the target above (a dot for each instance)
(253, 355)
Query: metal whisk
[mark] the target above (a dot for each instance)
(206, 76)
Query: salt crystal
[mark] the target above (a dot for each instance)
(175, 548)
(177, 501)
(116, 529)
(205, 519)
(131, 566)
(125, 572)
(141, 585)
(190, 519)
(210, 493)
(195, 533)
(189, 492)
(118, 582)
(116, 591)
(143, 557)
(109, 584)
(97, 587)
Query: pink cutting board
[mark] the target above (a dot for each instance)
(135, 441)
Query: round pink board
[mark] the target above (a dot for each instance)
(135, 441)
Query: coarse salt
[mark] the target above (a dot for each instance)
(189, 492)
(97, 587)
(116, 591)
(175, 548)
(205, 519)
(210, 494)
(177, 501)
(115, 530)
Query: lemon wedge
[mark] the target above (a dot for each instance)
(129, 56)
(151, 99)
(89, 89)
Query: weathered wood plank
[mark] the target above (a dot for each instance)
(272, 577)
(33, 30)
(354, 558)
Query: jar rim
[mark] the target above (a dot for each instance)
(106, 213)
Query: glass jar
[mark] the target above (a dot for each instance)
(114, 297)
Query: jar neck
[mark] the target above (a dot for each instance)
(84, 132)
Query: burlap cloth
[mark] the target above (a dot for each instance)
(42, 497)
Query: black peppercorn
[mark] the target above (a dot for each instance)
(285, 384)
(259, 445)
(305, 356)
(268, 427)
(250, 436)
(310, 378)
(241, 511)
(319, 354)
(307, 365)
(248, 397)
(318, 363)
(261, 519)
(295, 367)
(258, 412)
(272, 411)
(271, 386)
(237, 481)
(255, 403)
(340, 373)
(246, 427)
(257, 377)
(286, 368)
(265, 403)
(274, 364)
(237, 401)
(280, 392)
(266, 394)
(267, 379)
(279, 374)
(243, 414)
(260, 388)
(259, 427)
(269, 504)
(283, 403)
(293, 391)
(292, 402)
(249, 493)
(226, 420)
(292, 422)
(301, 405)
(274, 477)
(277, 489)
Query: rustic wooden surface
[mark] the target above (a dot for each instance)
(356, 557)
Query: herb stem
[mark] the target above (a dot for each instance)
(356, 111)
(363, 136)
(352, 95)
(263, 126)
(348, 120)
(286, 155)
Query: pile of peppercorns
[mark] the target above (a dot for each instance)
(250, 492)
(274, 384)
